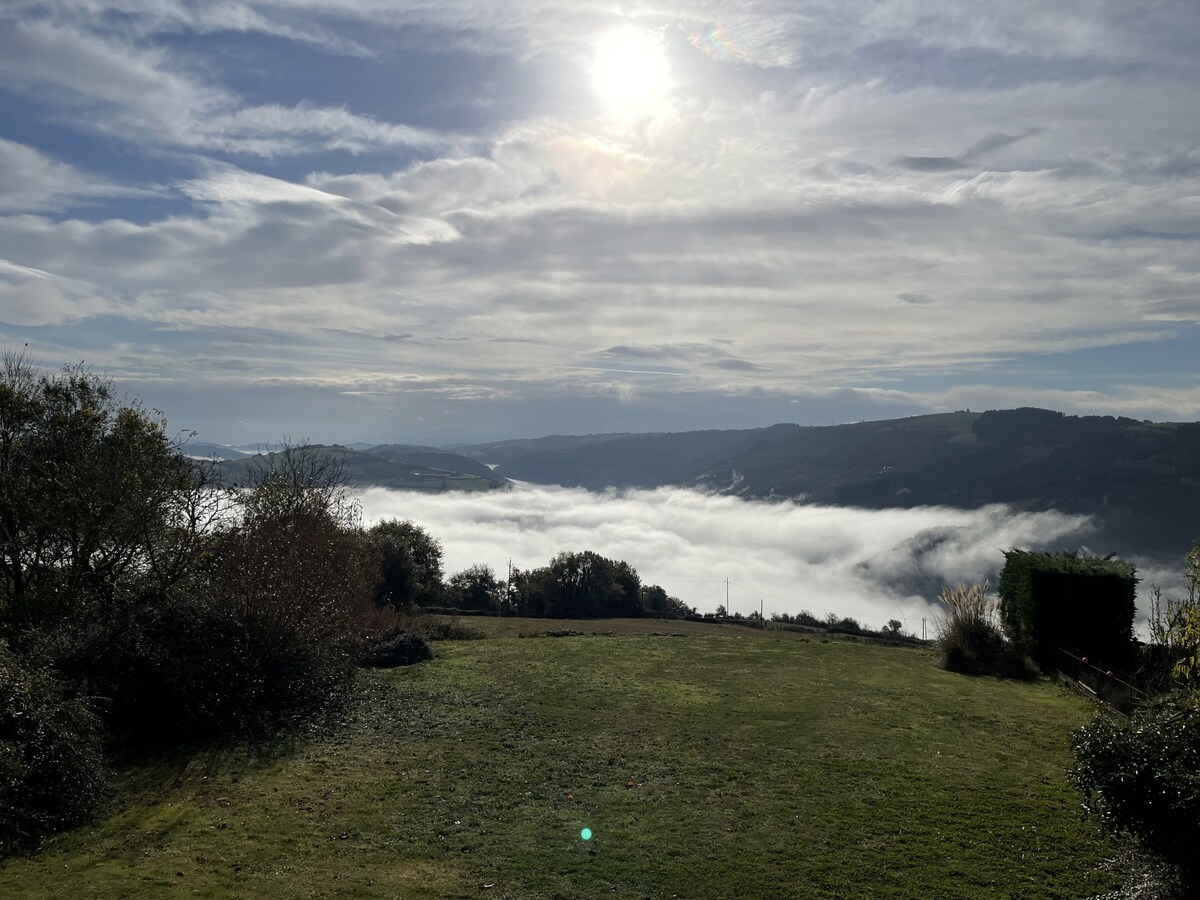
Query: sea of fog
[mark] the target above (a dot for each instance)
(873, 565)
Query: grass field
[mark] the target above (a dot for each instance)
(707, 765)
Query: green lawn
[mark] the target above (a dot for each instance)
(706, 766)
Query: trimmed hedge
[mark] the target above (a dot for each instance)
(1062, 600)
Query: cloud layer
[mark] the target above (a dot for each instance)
(841, 210)
(873, 565)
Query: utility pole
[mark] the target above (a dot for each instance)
(727, 598)
(762, 623)
(508, 587)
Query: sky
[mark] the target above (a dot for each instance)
(456, 221)
(782, 557)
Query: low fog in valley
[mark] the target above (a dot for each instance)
(873, 565)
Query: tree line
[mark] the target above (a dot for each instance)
(573, 585)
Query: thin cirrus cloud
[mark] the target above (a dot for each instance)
(838, 210)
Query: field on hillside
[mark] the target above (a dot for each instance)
(705, 766)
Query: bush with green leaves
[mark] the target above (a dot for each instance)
(1142, 776)
(440, 628)
(657, 602)
(475, 588)
(52, 767)
(397, 647)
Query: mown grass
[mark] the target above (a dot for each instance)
(707, 766)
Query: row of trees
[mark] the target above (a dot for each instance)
(846, 624)
(579, 584)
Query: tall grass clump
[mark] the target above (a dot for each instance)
(969, 637)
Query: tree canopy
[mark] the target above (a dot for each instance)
(97, 498)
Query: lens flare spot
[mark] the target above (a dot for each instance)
(586, 834)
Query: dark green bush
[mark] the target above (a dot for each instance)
(181, 668)
(411, 565)
(1053, 601)
(52, 769)
(398, 647)
(1142, 776)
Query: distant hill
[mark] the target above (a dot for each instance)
(1140, 479)
(208, 450)
(423, 469)
(432, 458)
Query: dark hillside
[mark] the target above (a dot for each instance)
(636, 460)
(432, 458)
(368, 468)
(1141, 480)
(503, 452)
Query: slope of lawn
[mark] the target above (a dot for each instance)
(706, 766)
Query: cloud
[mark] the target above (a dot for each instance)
(33, 297)
(931, 163)
(31, 181)
(148, 95)
(985, 145)
(873, 565)
(275, 130)
(559, 256)
(172, 17)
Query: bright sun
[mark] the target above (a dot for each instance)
(630, 72)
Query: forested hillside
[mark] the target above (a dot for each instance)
(1140, 479)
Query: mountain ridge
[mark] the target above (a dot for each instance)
(1139, 479)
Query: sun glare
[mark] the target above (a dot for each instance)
(630, 72)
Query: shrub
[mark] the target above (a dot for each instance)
(181, 668)
(969, 638)
(398, 647)
(1170, 659)
(295, 589)
(268, 630)
(1142, 776)
(52, 769)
